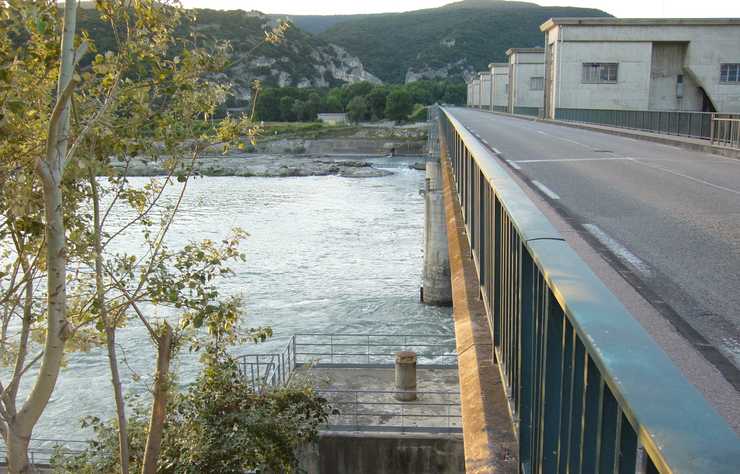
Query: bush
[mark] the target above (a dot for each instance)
(398, 105)
(219, 425)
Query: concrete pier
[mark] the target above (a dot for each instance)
(437, 287)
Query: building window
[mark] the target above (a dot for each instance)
(537, 83)
(600, 73)
(730, 72)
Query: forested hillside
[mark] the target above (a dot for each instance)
(450, 41)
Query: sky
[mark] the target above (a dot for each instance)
(619, 8)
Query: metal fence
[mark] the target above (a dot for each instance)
(686, 124)
(345, 350)
(378, 410)
(41, 451)
(726, 131)
(529, 111)
(589, 389)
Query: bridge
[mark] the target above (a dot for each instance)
(594, 286)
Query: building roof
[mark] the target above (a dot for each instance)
(498, 65)
(606, 21)
(511, 51)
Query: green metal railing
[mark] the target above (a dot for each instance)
(686, 124)
(589, 389)
(530, 111)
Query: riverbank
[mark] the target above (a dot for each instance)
(278, 166)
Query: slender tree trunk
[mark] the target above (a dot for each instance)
(51, 170)
(110, 331)
(159, 405)
(18, 463)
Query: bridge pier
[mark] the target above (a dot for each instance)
(437, 287)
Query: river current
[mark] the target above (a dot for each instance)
(324, 255)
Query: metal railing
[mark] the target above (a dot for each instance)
(42, 450)
(344, 350)
(529, 111)
(589, 389)
(686, 124)
(378, 410)
(373, 350)
(726, 131)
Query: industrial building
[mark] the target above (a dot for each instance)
(641, 64)
(526, 80)
(485, 90)
(499, 86)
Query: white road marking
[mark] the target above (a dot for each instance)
(514, 165)
(618, 249)
(685, 176)
(563, 139)
(547, 191)
(563, 160)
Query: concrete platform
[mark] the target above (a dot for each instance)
(363, 399)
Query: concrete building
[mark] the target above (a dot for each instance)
(526, 80)
(333, 118)
(485, 90)
(642, 64)
(476, 93)
(470, 94)
(499, 86)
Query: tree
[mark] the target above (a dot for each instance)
(286, 109)
(300, 110)
(376, 102)
(357, 109)
(220, 424)
(398, 105)
(313, 106)
(138, 99)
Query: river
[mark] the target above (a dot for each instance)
(325, 254)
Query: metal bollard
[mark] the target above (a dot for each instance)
(405, 376)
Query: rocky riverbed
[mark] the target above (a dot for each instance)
(268, 166)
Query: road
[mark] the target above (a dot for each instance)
(667, 219)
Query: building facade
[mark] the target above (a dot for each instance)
(485, 90)
(642, 64)
(526, 80)
(499, 86)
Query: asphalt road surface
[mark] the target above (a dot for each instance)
(667, 219)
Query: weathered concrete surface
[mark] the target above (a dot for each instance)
(490, 444)
(436, 278)
(351, 453)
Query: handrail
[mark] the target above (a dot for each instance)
(589, 388)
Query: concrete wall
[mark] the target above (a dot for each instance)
(476, 93)
(485, 90)
(370, 453)
(500, 84)
(706, 47)
(523, 66)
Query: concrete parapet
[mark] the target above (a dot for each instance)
(490, 443)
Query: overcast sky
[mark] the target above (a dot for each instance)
(619, 8)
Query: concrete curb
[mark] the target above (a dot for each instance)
(627, 133)
(489, 440)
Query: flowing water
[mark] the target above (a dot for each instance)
(325, 254)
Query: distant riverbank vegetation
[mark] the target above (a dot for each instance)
(362, 101)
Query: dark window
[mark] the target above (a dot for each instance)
(729, 72)
(600, 73)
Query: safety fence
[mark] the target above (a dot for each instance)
(589, 389)
(42, 450)
(686, 124)
(378, 410)
(726, 131)
(529, 111)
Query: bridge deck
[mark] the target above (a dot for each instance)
(666, 219)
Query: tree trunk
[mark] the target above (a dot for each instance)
(159, 405)
(110, 330)
(18, 463)
(51, 170)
